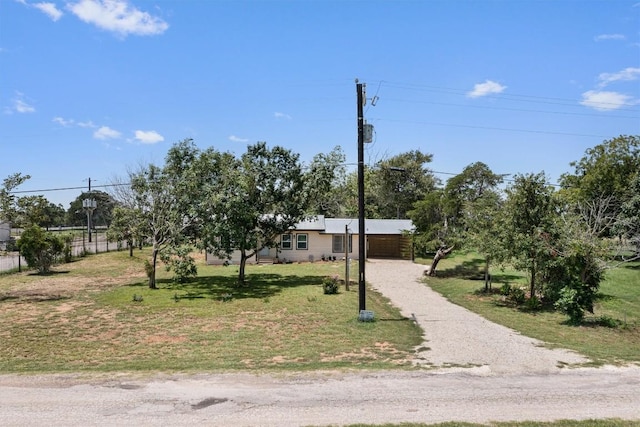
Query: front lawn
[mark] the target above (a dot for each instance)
(97, 314)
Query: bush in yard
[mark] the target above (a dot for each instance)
(330, 285)
(68, 243)
(40, 249)
(573, 283)
(513, 294)
(179, 260)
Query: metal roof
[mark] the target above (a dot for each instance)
(372, 226)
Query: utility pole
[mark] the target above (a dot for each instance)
(90, 205)
(361, 226)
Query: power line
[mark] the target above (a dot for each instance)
(486, 107)
(47, 190)
(506, 96)
(495, 128)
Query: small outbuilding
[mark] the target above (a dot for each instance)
(5, 234)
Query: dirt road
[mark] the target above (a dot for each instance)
(479, 372)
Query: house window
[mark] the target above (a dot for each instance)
(338, 243)
(302, 242)
(286, 242)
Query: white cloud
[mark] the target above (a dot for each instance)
(148, 137)
(88, 124)
(605, 100)
(279, 115)
(628, 74)
(105, 132)
(23, 107)
(117, 16)
(19, 105)
(487, 88)
(71, 122)
(237, 139)
(49, 9)
(63, 122)
(603, 37)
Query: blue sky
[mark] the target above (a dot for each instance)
(92, 88)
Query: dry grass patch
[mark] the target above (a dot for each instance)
(84, 318)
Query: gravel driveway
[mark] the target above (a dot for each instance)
(479, 372)
(457, 337)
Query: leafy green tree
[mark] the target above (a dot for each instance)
(472, 205)
(55, 215)
(400, 181)
(251, 201)
(576, 266)
(445, 218)
(433, 234)
(126, 226)
(163, 199)
(528, 224)
(604, 173)
(324, 183)
(39, 211)
(392, 186)
(349, 193)
(628, 224)
(179, 260)
(40, 249)
(8, 209)
(484, 230)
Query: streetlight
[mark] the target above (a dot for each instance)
(89, 205)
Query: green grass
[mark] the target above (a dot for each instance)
(83, 317)
(610, 335)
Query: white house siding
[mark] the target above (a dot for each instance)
(319, 244)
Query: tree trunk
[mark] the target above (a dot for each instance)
(532, 292)
(440, 253)
(152, 275)
(243, 263)
(487, 280)
(130, 244)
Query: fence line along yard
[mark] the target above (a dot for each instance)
(80, 246)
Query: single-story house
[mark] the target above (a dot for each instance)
(323, 238)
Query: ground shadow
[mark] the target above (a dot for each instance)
(49, 273)
(223, 288)
(467, 269)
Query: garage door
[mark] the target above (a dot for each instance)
(389, 247)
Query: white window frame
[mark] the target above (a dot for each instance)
(341, 249)
(302, 245)
(283, 242)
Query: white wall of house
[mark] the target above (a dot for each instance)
(317, 246)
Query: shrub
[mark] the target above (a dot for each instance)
(517, 296)
(181, 262)
(330, 285)
(533, 303)
(40, 249)
(505, 289)
(513, 294)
